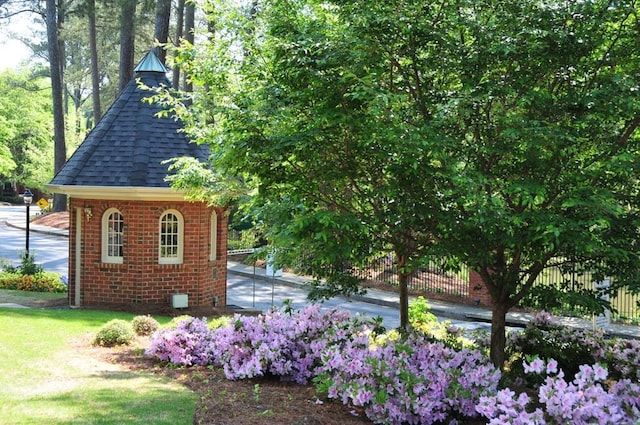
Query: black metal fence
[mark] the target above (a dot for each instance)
(431, 278)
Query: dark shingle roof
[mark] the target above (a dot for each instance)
(128, 145)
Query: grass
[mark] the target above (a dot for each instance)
(9, 295)
(43, 379)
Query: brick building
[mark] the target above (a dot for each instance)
(132, 239)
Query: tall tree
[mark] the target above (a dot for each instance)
(127, 41)
(95, 66)
(55, 67)
(161, 32)
(26, 127)
(178, 38)
(329, 137)
(189, 36)
(542, 126)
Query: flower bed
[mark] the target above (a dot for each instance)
(405, 379)
(39, 282)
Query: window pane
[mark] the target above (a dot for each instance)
(115, 235)
(169, 236)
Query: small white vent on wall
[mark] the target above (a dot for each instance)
(180, 300)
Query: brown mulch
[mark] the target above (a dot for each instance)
(259, 401)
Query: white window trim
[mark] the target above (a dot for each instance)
(214, 236)
(106, 258)
(179, 258)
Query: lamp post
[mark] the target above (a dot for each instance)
(27, 197)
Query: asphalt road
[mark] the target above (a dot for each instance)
(50, 251)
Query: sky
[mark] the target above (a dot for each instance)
(13, 52)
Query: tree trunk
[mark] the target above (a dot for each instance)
(77, 105)
(62, 54)
(498, 333)
(179, 33)
(127, 41)
(403, 284)
(60, 150)
(95, 69)
(189, 35)
(161, 33)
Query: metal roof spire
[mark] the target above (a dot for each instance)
(151, 63)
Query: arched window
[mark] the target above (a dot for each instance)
(214, 236)
(171, 238)
(112, 237)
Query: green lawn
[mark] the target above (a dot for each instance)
(44, 380)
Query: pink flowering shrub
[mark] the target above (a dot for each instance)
(186, 344)
(547, 339)
(622, 356)
(570, 348)
(408, 380)
(280, 343)
(585, 400)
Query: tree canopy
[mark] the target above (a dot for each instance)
(502, 134)
(25, 128)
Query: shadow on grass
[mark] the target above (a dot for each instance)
(150, 403)
(90, 319)
(44, 382)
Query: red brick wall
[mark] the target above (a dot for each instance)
(478, 291)
(140, 279)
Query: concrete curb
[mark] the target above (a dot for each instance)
(39, 229)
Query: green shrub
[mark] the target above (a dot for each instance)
(176, 321)
(420, 313)
(144, 325)
(546, 339)
(40, 282)
(218, 322)
(422, 320)
(27, 267)
(115, 332)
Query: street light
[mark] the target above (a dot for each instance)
(27, 197)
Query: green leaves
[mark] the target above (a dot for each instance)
(501, 134)
(25, 128)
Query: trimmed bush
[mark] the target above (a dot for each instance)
(115, 332)
(144, 325)
(547, 339)
(40, 282)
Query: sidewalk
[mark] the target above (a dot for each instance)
(389, 299)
